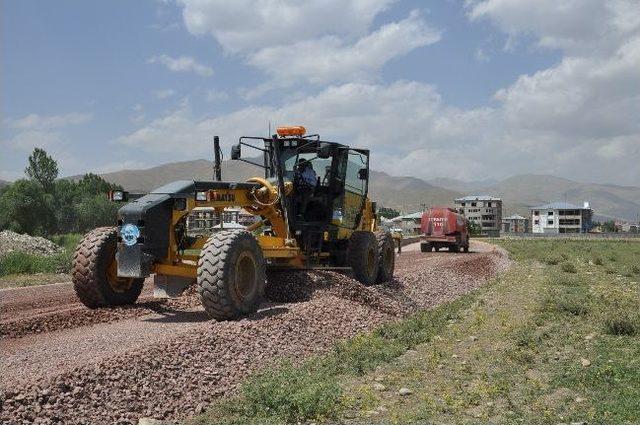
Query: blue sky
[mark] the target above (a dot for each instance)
(462, 89)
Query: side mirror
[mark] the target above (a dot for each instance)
(324, 151)
(363, 174)
(235, 151)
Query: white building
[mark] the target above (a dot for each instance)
(409, 223)
(561, 217)
(485, 211)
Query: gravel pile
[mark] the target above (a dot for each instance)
(35, 245)
(307, 314)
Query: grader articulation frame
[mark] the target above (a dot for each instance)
(327, 225)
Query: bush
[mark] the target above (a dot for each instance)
(292, 393)
(552, 260)
(568, 268)
(621, 323)
(562, 279)
(21, 263)
(598, 261)
(574, 302)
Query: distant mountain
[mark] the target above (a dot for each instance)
(402, 193)
(4, 183)
(407, 194)
(522, 191)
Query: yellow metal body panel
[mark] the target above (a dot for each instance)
(263, 201)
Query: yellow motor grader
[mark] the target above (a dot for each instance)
(312, 212)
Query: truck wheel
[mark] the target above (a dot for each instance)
(95, 272)
(386, 256)
(454, 248)
(363, 257)
(231, 274)
(425, 247)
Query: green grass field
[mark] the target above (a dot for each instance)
(18, 268)
(556, 339)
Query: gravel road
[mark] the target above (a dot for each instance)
(166, 360)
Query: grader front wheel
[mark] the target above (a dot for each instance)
(386, 256)
(95, 276)
(363, 257)
(231, 274)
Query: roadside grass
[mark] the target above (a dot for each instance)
(15, 265)
(538, 344)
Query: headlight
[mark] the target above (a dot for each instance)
(201, 196)
(130, 234)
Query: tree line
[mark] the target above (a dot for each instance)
(44, 205)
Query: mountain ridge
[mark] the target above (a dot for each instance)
(408, 194)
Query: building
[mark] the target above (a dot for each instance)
(516, 224)
(627, 227)
(561, 217)
(410, 223)
(485, 211)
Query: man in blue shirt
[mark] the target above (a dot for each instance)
(307, 175)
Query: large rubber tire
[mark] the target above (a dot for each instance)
(425, 247)
(231, 274)
(454, 248)
(386, 256)
(94, 282)
(363, 257)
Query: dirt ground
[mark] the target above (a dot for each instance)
(63, 363)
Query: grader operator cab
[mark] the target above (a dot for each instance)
(313, 213)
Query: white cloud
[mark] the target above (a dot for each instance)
(164, 93)
(35, 121)
(580, 26)
(246, 25)
(318, 41)
(330, 59)
(28, 139)
(182, 64)
(213, 96)
(576, 119)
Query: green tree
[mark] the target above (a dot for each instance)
(42, 168)
(25, 207)
(66, 196)
(96, 211)
(609, 226)
(474, 228)
(388, 212)
(93, 184)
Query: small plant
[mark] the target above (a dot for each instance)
(621, 323)
(568, 268)
(292, 393)
(635, 269)
(552, 260)
(598, 261)
(562, 279)
(575, 302)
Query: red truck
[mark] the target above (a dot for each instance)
(444, 227)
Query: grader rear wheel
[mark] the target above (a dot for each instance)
(386, 256)
(363, 257)
(231, 274)
(95, 273)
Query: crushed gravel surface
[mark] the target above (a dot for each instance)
(46, 308)
(172, 363)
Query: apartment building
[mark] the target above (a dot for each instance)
(516, 224)
(486, 211)
(561, 217)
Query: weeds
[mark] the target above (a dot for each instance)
(568, 268)
(21, 263)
